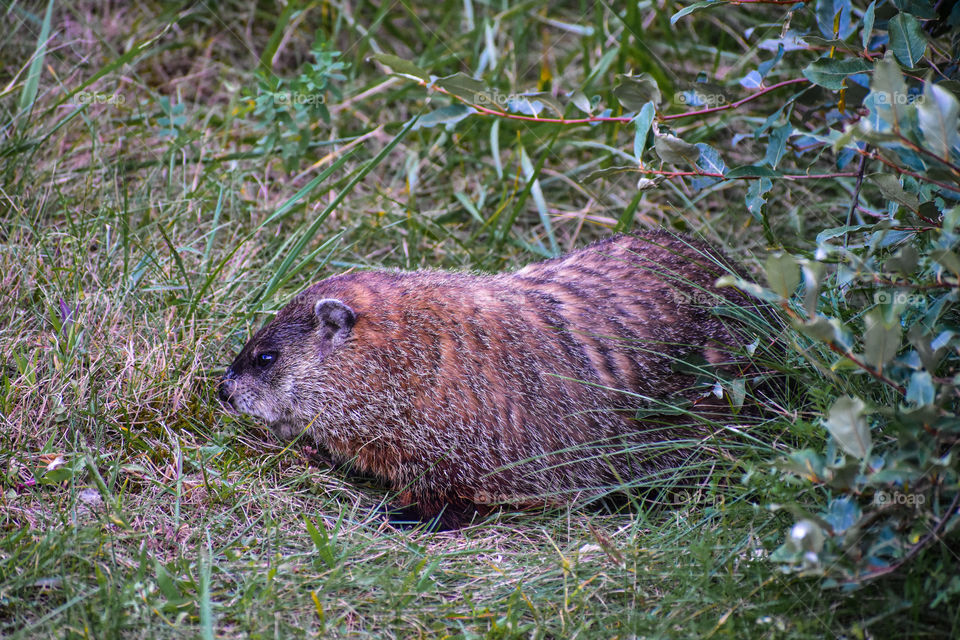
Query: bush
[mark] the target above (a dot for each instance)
(872, 298)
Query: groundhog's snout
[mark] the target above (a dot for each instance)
(225, 390)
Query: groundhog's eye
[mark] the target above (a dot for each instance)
(266, 359)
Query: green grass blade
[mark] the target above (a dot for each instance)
(32, 84)
(282, 272)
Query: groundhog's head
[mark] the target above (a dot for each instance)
(268, 377)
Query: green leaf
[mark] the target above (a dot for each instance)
(925, 10)
(536, 192)
(495, 147)
(755, 196)
(834, 232)
(783, 274)
(642, 121)
(321, 541)
(582, 102)
(468, 89)
(937, 114)
(672, 149)
(842, 513)
(890, 188)
(710, 160)
(951, 219)
(867, 28)
(31, 85)
(749, 288)
(830, 72)
(753, 171)
(777, 144)
(812, 274)
(207, 619)
(888, 81)
(738, 392)
(533, 103)
(906, 39)
(904, 261)
(448, 115)
(764, 67)
(805, 535)
(881, 338)
(610, 171)
(834, 12)
(947, 258)
(635, 91)
(848, 427)
(920, 391)
(806, 462)
(59, 474)
(166, 583)
(824, 329)
(401, 66)
(697, 6)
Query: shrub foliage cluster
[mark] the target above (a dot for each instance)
(871, 294)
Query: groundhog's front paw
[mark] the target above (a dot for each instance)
(317, 457)
(407, 517)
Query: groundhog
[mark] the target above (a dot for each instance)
(462, 391)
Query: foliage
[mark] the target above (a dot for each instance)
(880, 296)
(880, 291)
(290, 109)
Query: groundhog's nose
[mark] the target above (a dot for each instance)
(225, 390)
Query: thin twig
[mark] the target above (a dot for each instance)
(856, 197)
(942, 185)
(846, 353)
(954, 169)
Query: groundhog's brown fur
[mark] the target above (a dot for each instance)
(462, 390)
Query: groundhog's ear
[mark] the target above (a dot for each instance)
(335, 322)
(334, 313)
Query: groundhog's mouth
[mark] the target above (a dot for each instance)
(229, 409)
(285, 429)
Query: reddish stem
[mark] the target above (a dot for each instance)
(942, 185)
(734, 105)
(846, 353)
(622, 119)
(704, 174)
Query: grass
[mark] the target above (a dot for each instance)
(144, 238)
